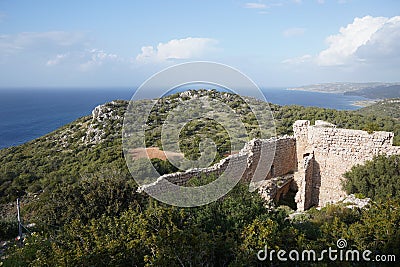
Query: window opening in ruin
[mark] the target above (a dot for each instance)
(289, 198)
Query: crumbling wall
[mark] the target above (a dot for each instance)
(318, 156)
(280, 152)
(274, 188)
(285, 157)
(304, 177)
(336, 151)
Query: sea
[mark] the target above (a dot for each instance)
(26, 114)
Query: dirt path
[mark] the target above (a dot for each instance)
(153, 152)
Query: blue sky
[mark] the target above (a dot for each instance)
(90, 43)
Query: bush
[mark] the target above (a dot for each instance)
(376, 179)
(8, 228)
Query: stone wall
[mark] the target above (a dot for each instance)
(317, 156)
(306, 183)
(274, 188)
(285, 157)
(335, 151)
(271, 165)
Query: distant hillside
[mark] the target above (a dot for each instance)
(388, 107)
(369, 90)
(339, 87)
(381, 92)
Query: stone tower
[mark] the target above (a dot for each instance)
(325, 153)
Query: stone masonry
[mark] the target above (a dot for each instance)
(283, 162)
(312, 162)
(325, 153)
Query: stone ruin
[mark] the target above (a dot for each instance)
(325, 153)
(310, 163)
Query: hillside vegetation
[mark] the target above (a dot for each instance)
(76, 188)
(91, 144)
(389, 108)
(373, 90)
(376, 179)
(380, 92)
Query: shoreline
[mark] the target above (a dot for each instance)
(356, 103)
(364, 103)
(315, 91)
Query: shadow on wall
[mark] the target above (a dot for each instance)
(288, 199)
(316, 184)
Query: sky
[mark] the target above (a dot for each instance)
(277, 43)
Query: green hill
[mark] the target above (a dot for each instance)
(378, 92)
(388, 107)
(373, 90)
(93, 143)
(76, 188)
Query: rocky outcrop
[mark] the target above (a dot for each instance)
(106, 120)
(353, 202)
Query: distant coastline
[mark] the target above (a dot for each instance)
(364, 103)
(303, 89)
(356, 103)
(372, 90)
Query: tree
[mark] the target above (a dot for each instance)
(376, 179)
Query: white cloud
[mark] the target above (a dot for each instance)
(364, 34)
(56, 60)
(97, 57)
(321, 2)
(298, 60)
(84, 60)
(293, 32)
(58, 47)
(176, 49)
(255, 5)
(368, 49)
(263, 5)
(14, 43)
(384, 44)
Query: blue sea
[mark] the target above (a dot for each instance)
(26, 114)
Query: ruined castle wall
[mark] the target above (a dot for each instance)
(166, 182)
(309, 181)
(305, 182)
(248, 159)
(336, 151)
(317, 155)
(285, 157)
